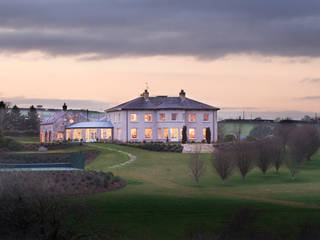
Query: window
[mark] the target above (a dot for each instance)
(162, 116)
(60, 136)
(133, 133)
(148, 133)
(133, 117)
(68, 132)
(204, 133)
(42, 137)
(192, 133)
(105, 133)
(192, 117)
(71, 121)
(119, 133)
(91, 133)
(174, 116)
(205, 117)
(174, 133)
(159, 133)
(165, 132)
(147, 117)
(77, 134)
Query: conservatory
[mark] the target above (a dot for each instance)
(90, 131)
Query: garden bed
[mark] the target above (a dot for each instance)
(63, 182)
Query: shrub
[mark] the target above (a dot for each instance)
(208, 135)
(244, 157)
(184, 135)
(261, 131)
(229, 138)
(223, 163)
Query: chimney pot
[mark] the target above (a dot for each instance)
(182, 94)
(145, 94)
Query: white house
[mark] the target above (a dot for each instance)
(160, 118)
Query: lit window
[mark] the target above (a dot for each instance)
(60, 136)
(192, 133)
(181, 132)
(174, 133)
(42, 137)
(205, 117)
(148, 133)
(68, 133)
(105, 133)
(162, 116)
(174, 116)
(77, 134)
(204, 133)
(91, 134)
(159, 133)
(133, 117)
(147, 117)
(71, 121)
(192, 117)
(119, 133)
(133, 133)
(165, 132)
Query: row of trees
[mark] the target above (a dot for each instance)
(292, 146)
(13, 122)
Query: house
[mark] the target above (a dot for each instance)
(162, 118)
(73, 126)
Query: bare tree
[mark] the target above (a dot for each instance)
(298, 144)
(223, 163)
(277, 152)
(312, 140)
(244, 157)
(292, 163)
(283, 129)
(265, 155)
(196, 165)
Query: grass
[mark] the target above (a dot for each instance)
(231, 128)
(161, 200)
(27, 139)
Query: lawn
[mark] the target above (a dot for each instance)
(161, 201)
(27, 139)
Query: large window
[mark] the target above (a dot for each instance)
(192, 117)
(204, 133)
(192, 133)
(174, 133)
(174, 116)
(133, 117)
(77, 134)
(148, 133)
(159, 133)
(60, 136)
(205, 117)
(68, 133)
(91, 133)
(106, 133)
(133, 133)
(147, 117)
(162, 116)
(165, 132)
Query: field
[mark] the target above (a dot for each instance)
(161, 201)
(231, 128)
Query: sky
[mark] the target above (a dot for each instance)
(261, 57)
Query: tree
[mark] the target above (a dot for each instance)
(184, 135)
(293, 162)
(208, 135)
(312, 141)
(32, 121)
(221, 131)
(264, 156)
(223, 163)
(3, 115)
(298, 144)
(196, 165)
(15, 118)
(277, 152)
(237, 130)
(261, 131)
(244, 156)
(283, 130)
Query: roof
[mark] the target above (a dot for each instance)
(91, 125)
(54, 117)
(162, 103)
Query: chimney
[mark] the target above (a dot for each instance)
(182, 94)
(65, 107)
(145, 94)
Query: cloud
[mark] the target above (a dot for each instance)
(203, 29)
(57, 103)
(310, 80)
(308, 98)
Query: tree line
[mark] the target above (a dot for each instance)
(290, 145)
(14, 123)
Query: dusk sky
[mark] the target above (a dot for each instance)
(257, 56)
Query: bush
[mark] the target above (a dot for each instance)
(156, 146)
(261, 131)
(229, 138)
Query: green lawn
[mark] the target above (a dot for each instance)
(161, 201)
(232, 128)
(27, 139)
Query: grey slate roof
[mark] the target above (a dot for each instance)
(162, 103)
(54, 117)
(91, 125)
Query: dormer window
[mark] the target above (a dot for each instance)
(192, 117)
(147, 117)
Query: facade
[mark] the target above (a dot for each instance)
(162, 118)
(71, 126)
